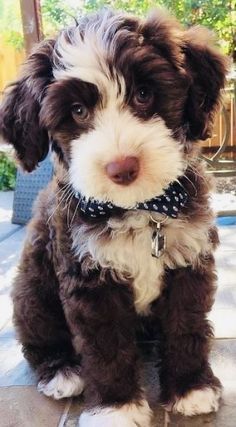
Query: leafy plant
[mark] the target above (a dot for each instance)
(7, 172)
(218, 15)
(10, 23)
(56, 14)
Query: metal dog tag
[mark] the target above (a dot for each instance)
(158, 242)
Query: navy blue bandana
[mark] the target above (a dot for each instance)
(170, 203)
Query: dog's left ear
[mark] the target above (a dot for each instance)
(19, 110)
(207, 69)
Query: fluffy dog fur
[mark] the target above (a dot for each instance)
(110, 87)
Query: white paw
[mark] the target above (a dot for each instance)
(62, 385)
(129, 415)
(202, 401)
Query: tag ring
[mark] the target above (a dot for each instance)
(158, 221)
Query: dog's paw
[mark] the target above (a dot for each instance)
(62, 385)
(202, 401)
(129, 415)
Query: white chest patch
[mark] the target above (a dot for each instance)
(127, 250)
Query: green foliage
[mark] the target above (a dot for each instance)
(7, 173)
(14, 38)
(218, 15)
(57, 13)
(10, 23)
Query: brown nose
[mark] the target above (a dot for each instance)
(124, 171)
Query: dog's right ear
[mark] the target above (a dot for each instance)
(19, 110)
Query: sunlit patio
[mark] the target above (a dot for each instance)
(20, 403)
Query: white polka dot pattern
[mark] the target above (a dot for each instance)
(170, 203)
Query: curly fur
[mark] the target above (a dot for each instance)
(84, 286)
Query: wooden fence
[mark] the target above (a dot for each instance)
(220, 150)
(10, 60)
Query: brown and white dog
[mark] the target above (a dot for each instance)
(123, 102)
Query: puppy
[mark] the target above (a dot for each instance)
(124, 234)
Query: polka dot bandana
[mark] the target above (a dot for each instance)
(170, 203)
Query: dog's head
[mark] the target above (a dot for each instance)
(120, 97)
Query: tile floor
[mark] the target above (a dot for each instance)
(22, 406)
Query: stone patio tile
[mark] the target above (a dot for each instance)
(14, 369)
(223, 359)
(227, 236)
(227, 277)
(74, 413)
(10, 250)
(25, 407)
(6, 227)
(226, 258)
(224, 322)
(5, 309)
(223, 202)
(226, 269)
(226, 297)
(77, 407)
(226, 417)
(223, 314)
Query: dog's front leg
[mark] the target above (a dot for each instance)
(188, 383)
(101, 319)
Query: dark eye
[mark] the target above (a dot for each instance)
(143, 95)
(80, 111)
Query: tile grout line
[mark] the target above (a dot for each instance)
(65, 413)
(5, 324)
(10, 233)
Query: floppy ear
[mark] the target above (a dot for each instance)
(19, 110)
(207, 69)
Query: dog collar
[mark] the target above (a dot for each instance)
(170, 203)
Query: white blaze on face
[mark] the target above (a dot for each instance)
(118, 134)
(84, 57)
